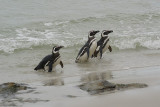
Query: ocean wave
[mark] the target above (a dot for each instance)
(72, 21)
(135, 18)
(130, 32)
(136, 42)
(48, 24)
(27, 39)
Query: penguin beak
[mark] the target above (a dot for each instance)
(111, 31)
(97, 31)
(59, 47)
(108, 32)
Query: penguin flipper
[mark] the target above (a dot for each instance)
(50, 66)
(61, 63)
(110, 48)
(100, 50)
(87, 53)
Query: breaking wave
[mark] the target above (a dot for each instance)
(134, 43)
(27, 39)
(130, 32)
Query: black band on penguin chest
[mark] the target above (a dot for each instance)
(83, 51)
(88, 44)
(105, 43)
(56, 57)
(91, 41)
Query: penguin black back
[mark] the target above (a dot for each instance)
(44, 61)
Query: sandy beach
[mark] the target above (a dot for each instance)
(69, 95)
(60, 88)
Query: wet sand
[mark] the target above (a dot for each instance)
(61, 88)
(69, 95)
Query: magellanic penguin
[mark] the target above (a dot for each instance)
(88, 49)
(51, 61)
(103, 44)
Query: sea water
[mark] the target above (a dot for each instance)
(30, 28)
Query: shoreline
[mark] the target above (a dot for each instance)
(69, 95)
(147, 97)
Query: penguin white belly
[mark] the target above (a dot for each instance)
(92, 48)
(57, 62)
(105, 48)
(83, 58)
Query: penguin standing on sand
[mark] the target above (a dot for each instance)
(88, 49)
(103, 44)
(51, 61)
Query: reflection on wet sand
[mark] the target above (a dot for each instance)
(56, 81)
(94, 76)
(49, 74)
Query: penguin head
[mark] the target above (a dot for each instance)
(105, 33)
(56, 49)
(92, 33)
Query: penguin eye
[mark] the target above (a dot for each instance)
(56, 49)
(91, 34)
(105, 33)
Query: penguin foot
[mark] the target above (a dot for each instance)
(76, 61)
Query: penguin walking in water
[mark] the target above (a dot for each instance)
(103, 44)
(50, 61)
(88, 49)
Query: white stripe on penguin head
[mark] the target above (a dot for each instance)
(89, 34)
(102, 34)
(54, 50)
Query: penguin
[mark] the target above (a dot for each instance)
(103, 44)
(88, 49)
(51, 61)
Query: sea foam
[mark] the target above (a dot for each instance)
(26, 38)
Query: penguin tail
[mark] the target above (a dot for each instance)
(36, 68)
(40, 66)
